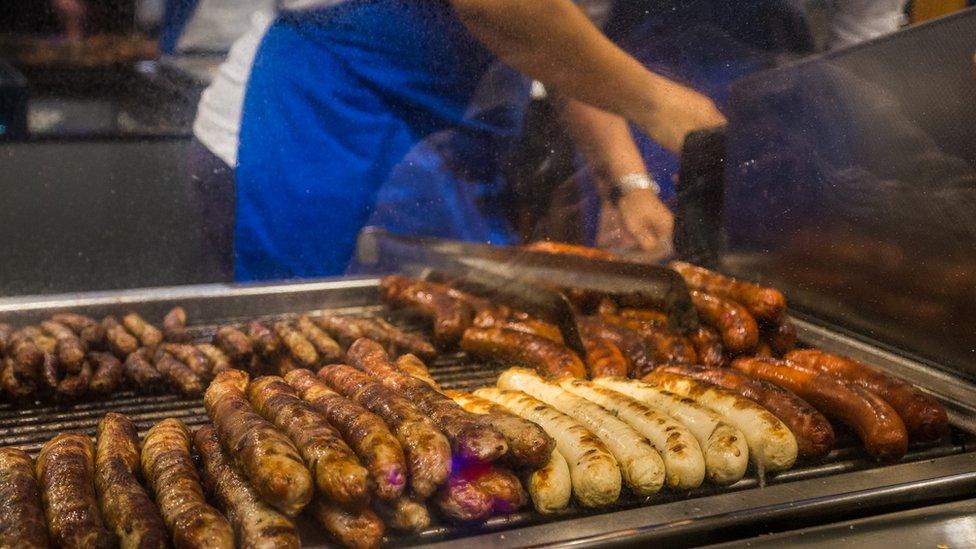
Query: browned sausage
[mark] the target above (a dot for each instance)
(147, 334)
(529, 445)
(628, 341)
(547, 357)
(657, 318)
(236, 344)
(563, 248)
(460, 499)
(14, 388)
(141, 373)
(88, 329)
(65, 472)
(404, 514)
(298, 347)
(876, 423)
(192, 357)
(127, 508)
(26, 356)
(708, 346)
(174, 326)
(178, 375)
(761, 302)
(416, 367)
(472, 439)
(604, 358)
(257, 524)
(666, 346)
(504, 488)
(6, 332)
(365, 432)
(924, 416)
(267, 457)
(107, 375)
(402, 341)
(22, 523)
(120, 341)
(219, 361)
(75, 386)
(781, 336)
(738, 328)
(338, 474)
(814, 434)
(345, 329)
(500, 317)
(172, 477)
(328, 349)
(70, 349)
(450, 316)
(427, 450)
(360, 529)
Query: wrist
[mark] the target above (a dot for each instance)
(634, 182)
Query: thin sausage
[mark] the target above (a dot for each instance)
(88, 329)
(120, 341)
(328, 349)
(547, 357)
(629, 342)
(192, 357)
(172, 477)
(147, 334)
(604, 358)
(404, 342)
(70, 349)
(174, 326)
(665, 345)
(360, 529)
(762, 302)
(22, 523)
(740, 334)
(141, 373)
(266, 343)
(75, 386)
(107, 374)
(298, 347)
(219, 361)
(236, 344)
(415, 367)
(178, 375)
(450, 316)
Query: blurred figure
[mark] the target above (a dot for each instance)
(855, 21)
(71, 14)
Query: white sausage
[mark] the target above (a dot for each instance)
(551, 486)
(683, 459)
(640, 464)
(593, 471)
(724, 446)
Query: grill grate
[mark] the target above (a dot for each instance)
(30, 427)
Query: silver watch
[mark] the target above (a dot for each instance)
(632, 182)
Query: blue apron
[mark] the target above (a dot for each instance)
(380, 112)
(176, 15)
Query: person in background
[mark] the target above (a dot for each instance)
(855, 21)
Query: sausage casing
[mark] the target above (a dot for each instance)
(22, 524)
(924, 416)
(338, 474)
(127, 508)
(219, 361)
(876, 423)
(172, 476)
(65, 471)
(70, 349)
(738, 328)
(546, 356)
(364, 431)
(191, 357)
(257, 524)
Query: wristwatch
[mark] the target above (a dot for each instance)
(632, 182)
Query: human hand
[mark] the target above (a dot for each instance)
(647, 219)
(679, 111)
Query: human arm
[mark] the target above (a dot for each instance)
(71, 14)
(554, 42)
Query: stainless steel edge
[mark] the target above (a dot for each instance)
(956, 394)
(693, 520)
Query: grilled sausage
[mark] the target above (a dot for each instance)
(499, 317)
(412, 365)
(147, 334)
(360, 529)
(13, 388)
(427, 450)
(178, 375)
(75, 386)
(772, 447)
(267, 457)
(528, 444)
(738, 328)
(172, 477)
(403, 342)
(219, 361)
(876, 423)
(338, 474)
(666, 346)
(141, 373)
(345, 329)
(236, 344)
(625, 339)
(70, 349)
(404, 514)
(22, 523)
(6, 332)
(604, 358)
(550, 486)
(708, 346)
(266, 343)
(88, 329)
(364, 431)
(256, 524)
(814, 434)
(924, 416)
(191, 357)
(127, 508)
(472, 439)
(107, 372)
(174, 326)
(460, 499)
(683, 460)
(761, 302)
(502, 486)
(65, 472)
(120, 341)
(563, 248)
(781, 336)
(450, 316)
(640, 464)
(26, 356)
(549, 358)
(593, 469)
(651, 316)
(298, 347)
(723, 446)
(328, 349)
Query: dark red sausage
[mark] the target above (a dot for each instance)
(762, 302)
(739, 330)
(666, 346)
(628, 341)
(604, 358)
(547, 357)
(708, 346)
(450, 316)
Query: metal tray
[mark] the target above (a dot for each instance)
(846, 483)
